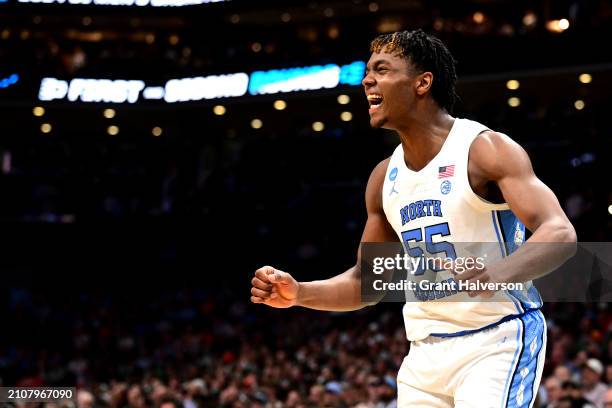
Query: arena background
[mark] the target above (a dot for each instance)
(134, 213)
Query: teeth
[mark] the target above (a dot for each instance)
(375, 99)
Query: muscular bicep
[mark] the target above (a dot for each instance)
(532, 201)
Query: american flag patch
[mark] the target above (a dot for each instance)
(446, 171)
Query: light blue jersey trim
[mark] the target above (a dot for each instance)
(502, 248)
(519, 342)
(523, 379)
(534, 388)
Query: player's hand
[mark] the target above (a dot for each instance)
(274, 287)
(474, 274)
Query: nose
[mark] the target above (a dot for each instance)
(367, 81)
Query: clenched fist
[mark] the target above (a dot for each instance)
(274, 288)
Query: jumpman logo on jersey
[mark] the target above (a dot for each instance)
(393, 190)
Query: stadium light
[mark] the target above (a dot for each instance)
(478, 17)
(318, 126)
(346, 116)
(585, 78)
(530, 19)
(46, 127)
(557, 26)
(514, 102)
(513, 84)
(343, 99)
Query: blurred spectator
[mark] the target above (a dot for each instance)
(85, 399)
(593, 389)
(170, 402)
(554, 393)
(572, 393)
(563, 374)
(609, 374)
(608, 399)
(135, 397)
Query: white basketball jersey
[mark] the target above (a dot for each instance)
(436, 206)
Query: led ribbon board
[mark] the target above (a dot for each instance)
(306, 78)
(134, 3)
(199, 88)
(8, 81)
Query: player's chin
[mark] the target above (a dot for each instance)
(377, 122)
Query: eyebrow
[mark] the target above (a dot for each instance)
(376, 63)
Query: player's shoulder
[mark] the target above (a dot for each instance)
(377, 177)
(493, 152)
(488, 141)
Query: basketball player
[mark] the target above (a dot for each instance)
(455, 180)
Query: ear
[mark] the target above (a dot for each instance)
(423, 82)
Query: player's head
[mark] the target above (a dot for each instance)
(405, 68)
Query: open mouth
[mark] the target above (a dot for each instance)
(375, 100)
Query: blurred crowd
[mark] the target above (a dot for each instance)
(190, 349)
(100, 44)
(193, 350)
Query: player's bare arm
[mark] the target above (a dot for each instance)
(276, 288)
(500, 166)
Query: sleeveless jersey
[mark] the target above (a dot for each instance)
(435, 207)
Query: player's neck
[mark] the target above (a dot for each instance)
(423, 135)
